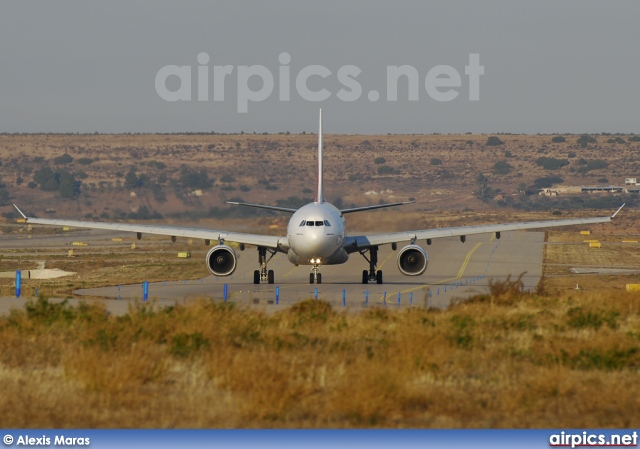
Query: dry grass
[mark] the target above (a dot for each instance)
(289, 162)
(567, 250)
(155, 260)
(502, 360)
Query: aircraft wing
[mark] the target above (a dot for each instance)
(268, 241)
(356, 243)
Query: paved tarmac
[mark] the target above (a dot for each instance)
(456, 270)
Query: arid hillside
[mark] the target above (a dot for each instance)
(187, 177)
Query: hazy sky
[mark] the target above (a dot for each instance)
(549, 66)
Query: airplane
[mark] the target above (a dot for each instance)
(317, 236)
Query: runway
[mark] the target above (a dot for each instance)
(456, 270)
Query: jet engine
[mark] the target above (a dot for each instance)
(221, 260)
(412, 260)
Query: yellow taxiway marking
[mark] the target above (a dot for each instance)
(385, 260)
(493, 237)
(291, 271)
(460, 272)
(466, 260)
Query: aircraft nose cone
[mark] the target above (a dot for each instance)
(315, 248)
(313, 245)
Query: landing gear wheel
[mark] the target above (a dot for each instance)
(264, 275)
(310, 278)
(371, 275)
(319, 281)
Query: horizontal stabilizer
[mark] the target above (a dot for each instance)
(262, 206)
(377, 206)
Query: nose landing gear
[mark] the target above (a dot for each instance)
(315, 275)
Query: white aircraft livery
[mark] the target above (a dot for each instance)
(316, 236)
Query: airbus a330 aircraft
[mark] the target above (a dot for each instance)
(316, 236)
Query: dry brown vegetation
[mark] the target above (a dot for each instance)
(565, 359)
(619, 251)
(501, 360)
(287, 162)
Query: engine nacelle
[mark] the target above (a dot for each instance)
(412, 260)
(222, 260)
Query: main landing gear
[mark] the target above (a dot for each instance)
(371, 275)
(264, 275)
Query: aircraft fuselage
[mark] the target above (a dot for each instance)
(316, 233)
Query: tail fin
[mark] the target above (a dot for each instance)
(319, 192)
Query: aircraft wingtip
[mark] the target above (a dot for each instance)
(20, 212)
(619, 209)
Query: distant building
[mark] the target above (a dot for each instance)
(610, 189)
(631, 181)
(548, 192)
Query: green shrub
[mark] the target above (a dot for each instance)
(187, 344)
(547, 181)
(551, 163)
(584, 139)
(196, 179)
(227, 178)
(64, 159)
(609, 359)
(502, 168)
(596, 164)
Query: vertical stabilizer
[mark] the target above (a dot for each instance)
(319, 192)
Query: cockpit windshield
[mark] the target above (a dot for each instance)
(315, 223)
